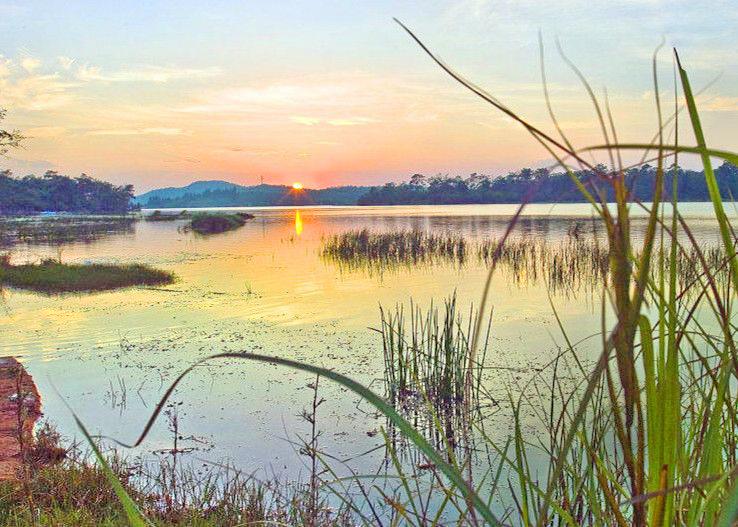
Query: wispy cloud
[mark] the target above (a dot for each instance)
(352, 121)
(307, 121)
(138, 131)
(36, 92)
(146, 73)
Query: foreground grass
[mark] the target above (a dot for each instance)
(50, 276)
(61, 487)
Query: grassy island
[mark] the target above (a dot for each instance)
(50, 276)
(214, 223)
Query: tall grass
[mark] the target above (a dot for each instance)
(649, 435)
(569, 266)
(430, 373)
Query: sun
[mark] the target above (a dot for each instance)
(297, 186)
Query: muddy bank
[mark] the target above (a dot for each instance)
(20, 408)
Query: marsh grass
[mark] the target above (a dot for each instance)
(427, 354)
(52, 276)
(567, 266)
(384, 250)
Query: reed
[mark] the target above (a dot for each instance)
(384, 250)
(427, 355)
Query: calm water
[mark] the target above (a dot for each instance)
(265, 288)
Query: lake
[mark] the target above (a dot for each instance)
(266, 288)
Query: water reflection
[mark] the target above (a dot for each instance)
(232, 295)
(298, 223)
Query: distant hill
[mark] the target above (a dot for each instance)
(198, 187)
(225, 194)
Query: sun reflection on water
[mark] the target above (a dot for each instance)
(298, 223)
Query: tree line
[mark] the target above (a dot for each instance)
(545, 186)
(54, 192)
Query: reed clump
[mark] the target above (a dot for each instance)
(431, 372)
(362, 248)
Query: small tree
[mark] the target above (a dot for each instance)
(8, 138)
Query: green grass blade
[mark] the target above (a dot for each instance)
(453, 474)
(135, 517)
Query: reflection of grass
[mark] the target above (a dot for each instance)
(50, 276)
(214, 223)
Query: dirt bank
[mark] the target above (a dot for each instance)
(20, 408)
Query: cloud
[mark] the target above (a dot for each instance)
(6, 66)
(307, 121)
(272, 97)
(30, 64)
(146, 73)
(719, 104)
(351, 121)
(344, 121)
(36, 92)
(138, 131)
(65, 62)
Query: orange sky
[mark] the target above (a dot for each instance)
(328, 93)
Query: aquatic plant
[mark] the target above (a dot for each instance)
(431, 374)
(361, 248)
(51, 276)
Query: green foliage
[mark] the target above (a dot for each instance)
(544, 186)
(58, 193)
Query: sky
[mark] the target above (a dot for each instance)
(162, 93)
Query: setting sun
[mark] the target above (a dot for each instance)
(297, 186)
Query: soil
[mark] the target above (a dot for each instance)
(20, 408)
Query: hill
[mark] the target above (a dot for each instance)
(225, 194)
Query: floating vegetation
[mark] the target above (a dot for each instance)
(430, 369)
(51, 276)
(63, 230)
(212, 223)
